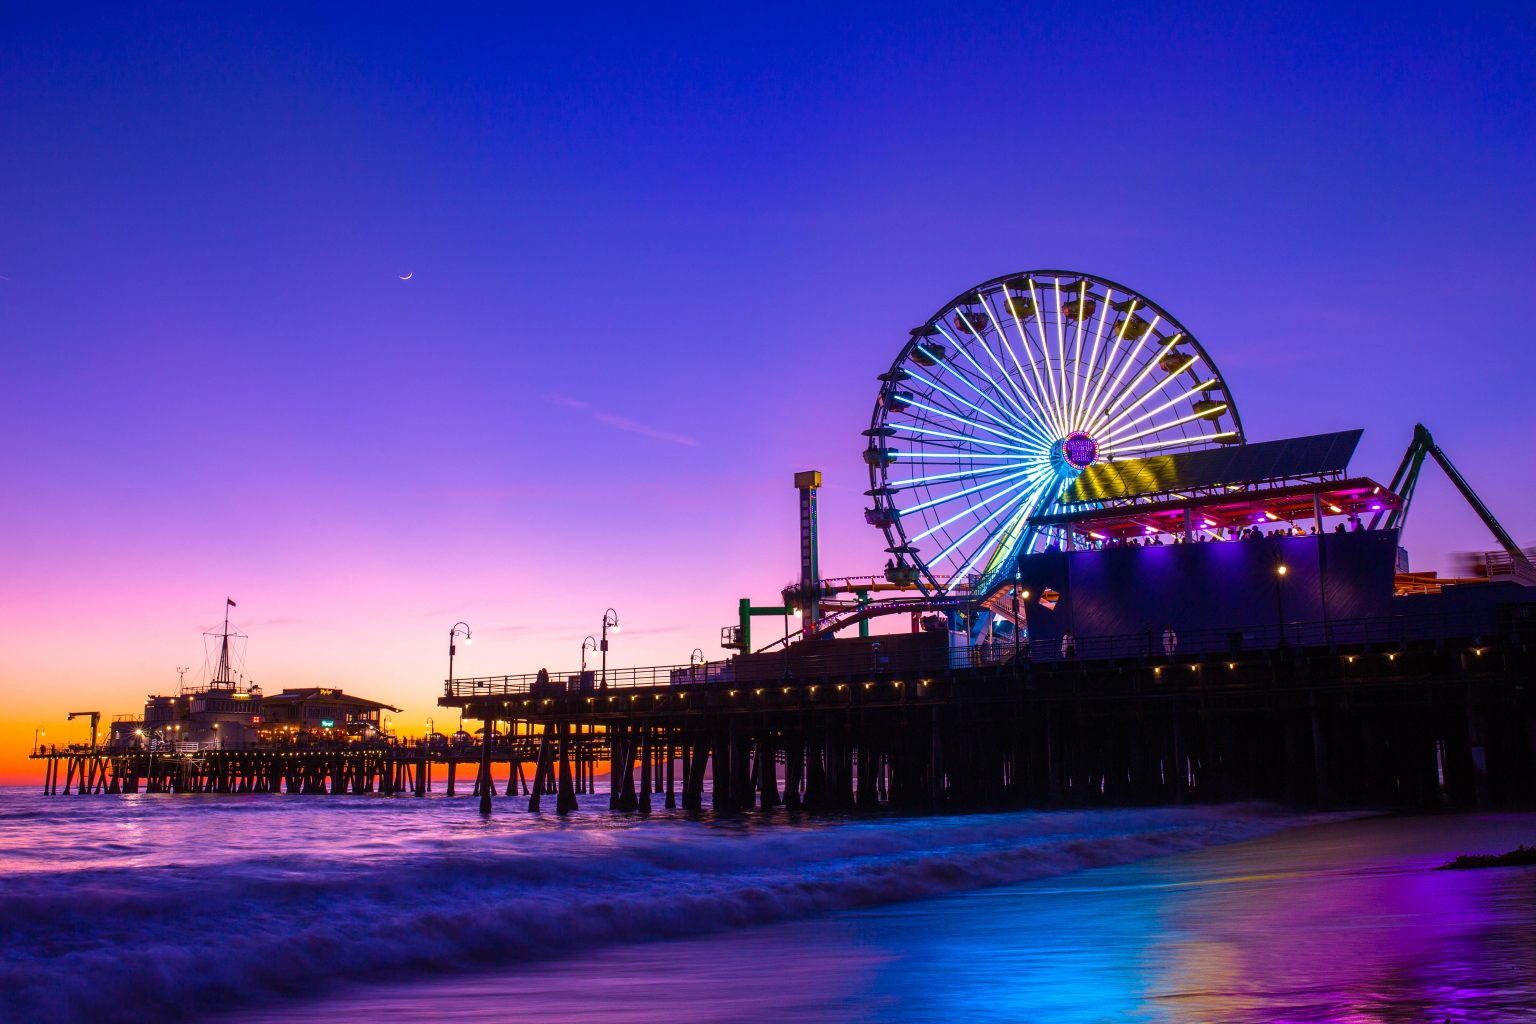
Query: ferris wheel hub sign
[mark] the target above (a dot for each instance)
(1079, 450)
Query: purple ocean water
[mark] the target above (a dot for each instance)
(265, 909)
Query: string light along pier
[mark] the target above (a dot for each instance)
(1105, 592)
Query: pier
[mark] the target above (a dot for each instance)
(1412, 714)
(356, 768)
(1100, 591)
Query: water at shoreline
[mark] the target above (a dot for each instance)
(140, 908)
(1345, 921)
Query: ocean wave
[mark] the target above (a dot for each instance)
(124, 945)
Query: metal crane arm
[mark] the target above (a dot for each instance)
(1407, 478)
(94, 716)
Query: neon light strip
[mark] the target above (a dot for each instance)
(1028, 497)
(968, 438)
(1151, 363)
(1008, 535)
(972, 360)
(1045, 349)
(909, 456)
(990, 354)
(967, 535)
(915, 404)
(1033, 481)
(1038, 402)
(1018, 322)
(1089, 394)
(969, 490)
(1110, 361)
(1160, 428)
(1176, 441)
(1077, 351)
(1061, 349)
(1130, 357)
(1168, 404)
(908, 484)
(1011, 421)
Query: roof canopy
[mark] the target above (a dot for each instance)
(1299, 458)
(326, 694)
(1264, 507)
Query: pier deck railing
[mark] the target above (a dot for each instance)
(1470, 628)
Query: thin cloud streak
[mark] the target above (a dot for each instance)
(613, 419)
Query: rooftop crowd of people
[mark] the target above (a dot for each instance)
(1217, 536)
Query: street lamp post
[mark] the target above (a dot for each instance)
(36, 734)
(588, 643)
(149, 781)
(460, 629)
(1280, 571)
(610, 621)
(695, 659)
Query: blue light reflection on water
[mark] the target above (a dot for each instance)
(1343, 922)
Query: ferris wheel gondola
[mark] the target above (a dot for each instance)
(1002, 398)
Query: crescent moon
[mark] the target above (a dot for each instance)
(408, 275)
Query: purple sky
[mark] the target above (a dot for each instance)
(658, 262)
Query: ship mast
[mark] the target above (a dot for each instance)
(222, 675)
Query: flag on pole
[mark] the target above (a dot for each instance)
(230, 601)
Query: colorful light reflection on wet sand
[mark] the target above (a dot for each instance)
(1341, 922)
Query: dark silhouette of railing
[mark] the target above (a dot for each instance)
(1469, 627)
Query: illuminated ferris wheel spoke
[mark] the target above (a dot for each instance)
(908, 456)
(1002, 337)
(1109, 432)
(1153, 363)
(966, 451)
(1045, 349)
(1111, 357)
(956, 398)
(975, 474)
(1093, 356)
(970, 510)
(946, 499)
(1000, 540)
(1038, 387)
(981, 393)
(1077, 349)
(996, 387)
(963, 438)
(1115, 391)
(1218, 436)
(1001, 369)
(1061, 346)
(968, 534)
(1192, 392)
(1013, 435)
(1157, 428)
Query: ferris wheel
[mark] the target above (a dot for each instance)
(1009, 392)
